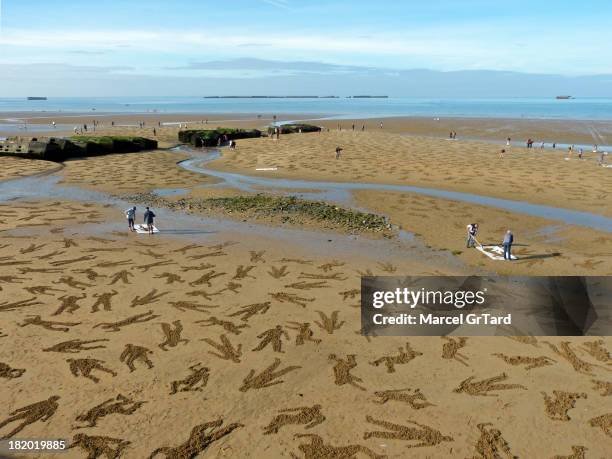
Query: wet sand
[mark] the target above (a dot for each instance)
(198, 302)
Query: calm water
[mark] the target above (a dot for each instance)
(586, 109)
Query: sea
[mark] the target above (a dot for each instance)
(341, 107)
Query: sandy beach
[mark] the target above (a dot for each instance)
(224, 336)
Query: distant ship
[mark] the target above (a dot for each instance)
(37, 98)
(564, 97)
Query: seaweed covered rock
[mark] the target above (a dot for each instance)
(211, 137)
(53, 149)
(294, 128)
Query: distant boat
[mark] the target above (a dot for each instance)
(37, 98)
(564, 97)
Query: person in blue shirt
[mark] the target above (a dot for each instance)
(508, 240)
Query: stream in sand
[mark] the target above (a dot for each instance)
(339, 192)
(175, 224)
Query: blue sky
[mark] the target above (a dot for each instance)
(191, 44)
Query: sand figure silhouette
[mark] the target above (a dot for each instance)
(492, 444)
(133, 353)
(278, 273)
(486, 385)
(283, 297)
(89, 273)
(257, 257)
(578, 452)
(226, 350)
(137, 319)
(74, 346)
(48, 324)
(317, 449)
(604, 422)
(597, 350)
(146, 268)
(104, 300)
(414, 398)
(566, 352)
(422, 434)
(84, 367)
(7, 372)
(172, 335)
(122, 276)
(307, 285)
(334, 276)
(170, 278)
(305, 333)
(98, 446)
(195, 382)
(560, 403)
(329, 323)
(267, 377)
(72, 261)
(250, 310)
(206, 278)
(230, 287)
(72, 282)
(149, 298)
(70, 304)
(5, 306)
(604, 387)
(39, 411)
(226, 325)
(350, 294)
(201, 437)
(451, 347)
(342, 370)
(42, 290)
(529, 362)
(330, 266)
(242, 272)
(403, 357)
(203, 293)
(309, 416)
(191, 306)
(273, 336)
(118, 405)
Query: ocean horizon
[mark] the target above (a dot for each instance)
(340, 107)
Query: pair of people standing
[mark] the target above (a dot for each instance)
(472, 230)
(149, 219)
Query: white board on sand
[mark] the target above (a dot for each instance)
(494, 252)
(142, 229)
(266, 169)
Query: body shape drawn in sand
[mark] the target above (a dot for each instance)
(201, 437)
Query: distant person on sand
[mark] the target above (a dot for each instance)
(508, 140)
(501, 153)
(508, 241)
(154, 132)
(381, 125)
(130, 214)
(149, 219)
(338, 152)
(472, 230)
(580, 153)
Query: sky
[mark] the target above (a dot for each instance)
(183, 47)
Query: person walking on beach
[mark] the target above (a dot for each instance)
(580, 153)
(338, 151)
(149, 219)
(154, 132)
(381, 125)
(472, 230)
(508, 241)
(501, 153)
(508, 141)
(130, 214)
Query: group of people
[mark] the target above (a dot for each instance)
(452, 135)
(472, 230)
(149, 219)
